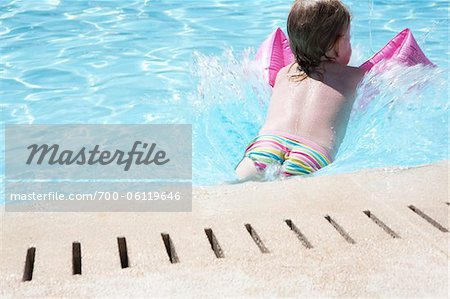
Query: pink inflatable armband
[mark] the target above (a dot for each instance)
(403, 48)
(274, 53)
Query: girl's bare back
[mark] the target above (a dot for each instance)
(313, 109)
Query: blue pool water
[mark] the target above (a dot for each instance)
(156, 61)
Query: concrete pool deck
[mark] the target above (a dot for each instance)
(374, 233)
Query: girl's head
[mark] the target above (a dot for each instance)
(319, 30)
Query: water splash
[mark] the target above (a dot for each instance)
(228, 109)
(371, 5)
(400, 119)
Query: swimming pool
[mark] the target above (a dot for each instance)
(188, 62)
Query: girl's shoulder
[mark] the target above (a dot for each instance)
(287, 71)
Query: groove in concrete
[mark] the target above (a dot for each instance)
(340, 230)
(428, 218)
(256, 238)
(170, 248)
(215, 246)
(381, 224)
(76, 258)
(29, 264)
(123, 252)
(299, 234)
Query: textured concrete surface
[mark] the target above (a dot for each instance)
(409, 260)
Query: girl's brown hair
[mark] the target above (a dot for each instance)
(313, 27)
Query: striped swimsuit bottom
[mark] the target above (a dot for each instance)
(296, 155)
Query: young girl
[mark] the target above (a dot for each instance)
(312, 97)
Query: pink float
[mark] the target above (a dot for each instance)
(275, 53)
